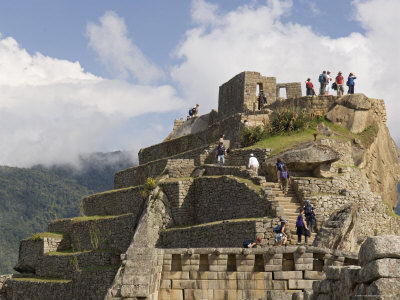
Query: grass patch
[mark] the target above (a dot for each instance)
(113, 191)
(258, 189)
(281, 142)
(213, 223)
(41, 279)
(40, 235)
(65, 252)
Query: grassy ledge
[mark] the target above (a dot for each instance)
(41, 279)
(41, 235)
(212, 223)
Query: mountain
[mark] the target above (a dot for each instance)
(31, 197)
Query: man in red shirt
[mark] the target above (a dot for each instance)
(339, 83)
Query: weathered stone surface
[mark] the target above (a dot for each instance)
(304, 158)
(379, 247)
(333, 273)
(388, 287)
(385, 267)
(356, 101)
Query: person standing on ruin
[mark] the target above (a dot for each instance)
(220, 154)
(322, 79)
(278, 168)
(253, 164)
(281, 236)
(351, 83)
(309, 212)
(328, 81)
(310, 88)
(339, 83)
(301, 227)
(262, 100)
(284, 179)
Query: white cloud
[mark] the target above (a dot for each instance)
(51, 110)
(117, 52)
(255, 38)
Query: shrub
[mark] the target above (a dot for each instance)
(288, 121)
(251, 135)
(148, 186)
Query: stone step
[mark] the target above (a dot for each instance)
(64, 264)
(96, 232)
(114, 202)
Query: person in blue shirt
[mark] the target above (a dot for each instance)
(220, 154)
(350, 83)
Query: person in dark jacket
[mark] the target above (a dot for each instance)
(301, 227)
(310, 88)
(351, 83)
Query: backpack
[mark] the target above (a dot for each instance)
(334, 86)
(192, 111)
(348, 83)
(284, 174)
(246, 243)
(309, 85)
(321, 78)
(277, 229)
(280, 166)
(299, 222)
(308, 210)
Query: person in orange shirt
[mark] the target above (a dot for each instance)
(339, 83)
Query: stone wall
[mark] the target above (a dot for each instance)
(293, 89)
(317, 105)
(227, 198)
(240, 157)
(181, 163)
(110, 232)
(115, 202)
(230, 127)
(230, 233)
(234, 273)
(376, 278)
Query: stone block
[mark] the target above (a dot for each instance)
(381, 268)
(175, 275)
(379, 247)
(333, 273)
(314, 275)
(184, 284)
(288, 275)
(208, 275)
(298, 284)
(176, 295)
(303, 267)
(165, 284)
(192, 294)
(388, 287)
(269, 268)
(281, 295)
(262, 275)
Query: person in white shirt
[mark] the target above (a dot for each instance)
(253, 163)
(328, 81)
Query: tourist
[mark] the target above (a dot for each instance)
(310, 88)
(281, 236)
(309, 212)
(251, 244)
(322, 81)
(339, 84)
(253, 164)
(220, 154)
(194, 111)
(222, 138)
(351, 83)
(262, 100)
(278, 167)
(301, 228)
(284, 178)
(328, 80)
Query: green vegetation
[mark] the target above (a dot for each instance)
(148, 187)
(32, 197)
(290, 133)
(42, 279)
(213, 223)
(40, 235)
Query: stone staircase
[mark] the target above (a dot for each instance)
(290, 206)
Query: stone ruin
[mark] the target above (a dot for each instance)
(178, 235)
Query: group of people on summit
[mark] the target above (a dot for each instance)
(325, 79)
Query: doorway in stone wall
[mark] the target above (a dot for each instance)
(259, 88)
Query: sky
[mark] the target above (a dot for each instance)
(89, 76)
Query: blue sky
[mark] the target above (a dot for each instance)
(108, 75)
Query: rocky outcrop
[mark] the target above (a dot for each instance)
(307, 159)
(377, 277)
